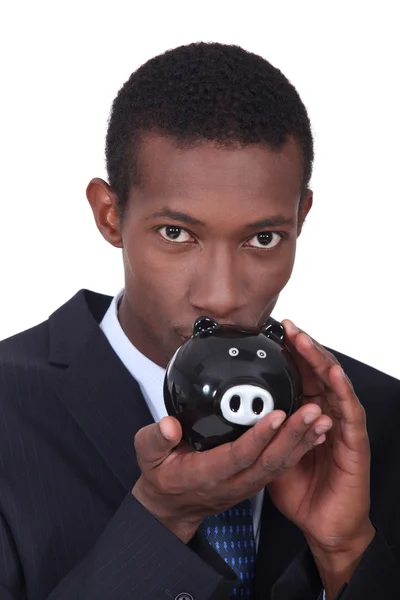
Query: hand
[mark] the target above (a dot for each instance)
(181, 487)
(327, 493)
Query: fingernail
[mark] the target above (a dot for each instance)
(309, 418)
(166, 431)
(320, 440)
(320, 429)
(277, 422)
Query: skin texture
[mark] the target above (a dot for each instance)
(213, 263)
(214, 270)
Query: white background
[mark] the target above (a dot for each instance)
(62, 65)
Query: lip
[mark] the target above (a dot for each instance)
(189, 335)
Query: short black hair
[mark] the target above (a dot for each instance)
(204, 92)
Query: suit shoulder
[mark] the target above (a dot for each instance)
(33, 343)
(29, 344)
(25, 376)
(369, 383)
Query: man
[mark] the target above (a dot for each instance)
(209, 156)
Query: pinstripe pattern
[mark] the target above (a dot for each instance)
(67, 465)
(69, 527)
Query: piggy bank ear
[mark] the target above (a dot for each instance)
(202, 324)
(274, 330)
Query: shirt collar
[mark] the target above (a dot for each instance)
(149, 376)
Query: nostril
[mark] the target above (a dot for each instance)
(234, 403)
(258, 405)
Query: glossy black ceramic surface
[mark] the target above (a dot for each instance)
(223, 380)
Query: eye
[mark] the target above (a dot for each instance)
(266, 239)
(233, 351)
(261, 353)
(175, 234)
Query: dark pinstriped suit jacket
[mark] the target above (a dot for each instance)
(69, 527)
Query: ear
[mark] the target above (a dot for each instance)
(202, 324)
(304, 208)
(274, 330)
(104, 204)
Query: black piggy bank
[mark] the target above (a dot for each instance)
(223, 380)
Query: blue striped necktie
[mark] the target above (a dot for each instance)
(231, 535)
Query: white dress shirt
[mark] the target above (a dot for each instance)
(150, 378)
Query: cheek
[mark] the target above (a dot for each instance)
(271, 273)
(157, 276)
(165, 278)
(283, 268)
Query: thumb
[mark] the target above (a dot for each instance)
(155, 442)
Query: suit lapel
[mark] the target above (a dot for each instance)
(95, 386)
(280, 542)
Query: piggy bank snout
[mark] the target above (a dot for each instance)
(246, 404)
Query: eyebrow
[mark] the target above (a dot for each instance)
(277, 221)
(174, 215)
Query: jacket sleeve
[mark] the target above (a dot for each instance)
(137, 557)
(11, 580)
(376, 576)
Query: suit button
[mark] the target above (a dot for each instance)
(184, 596)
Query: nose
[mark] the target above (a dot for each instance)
(218, 289)
(246, 404)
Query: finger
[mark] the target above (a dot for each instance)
(274, 458)
(343, 403)
(227, 460)
(293, 442)
(318, 381)
(319, 360)
(293, 331)
(155, 442)
(312, 386)
(314, 436)
(348, 409)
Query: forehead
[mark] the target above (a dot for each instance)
(210, 172)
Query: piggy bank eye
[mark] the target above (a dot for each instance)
(261, 354)
(233, 351)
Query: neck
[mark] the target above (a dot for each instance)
(138, 334)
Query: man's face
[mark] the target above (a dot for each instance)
(210, 231)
